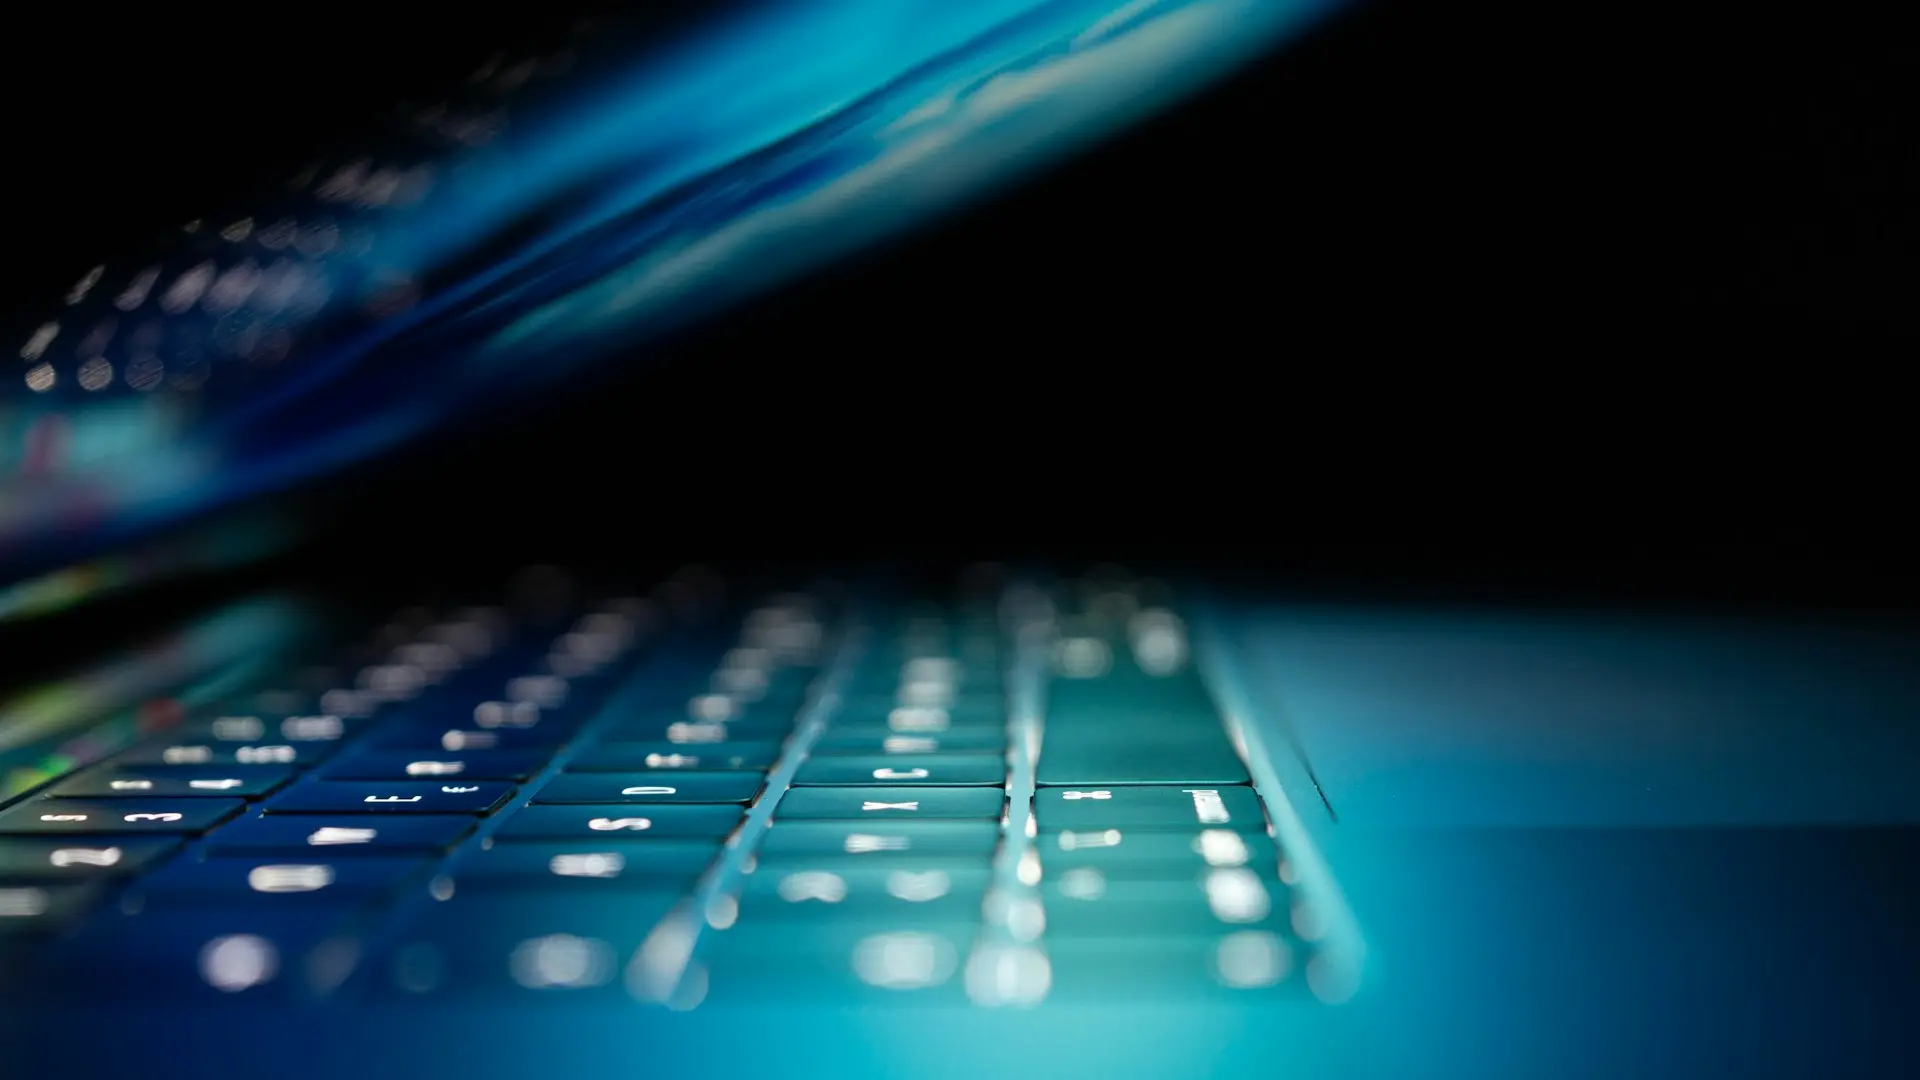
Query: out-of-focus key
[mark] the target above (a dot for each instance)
(643, 864)
(81, 817)
(1125, 853)
(235, 781)
(699, 732)
(424, 739)
(621, 822)
(674, 757)
(242, 730)
(340, 835)
(917, 770)
(390, 797)
(892, 803)
(958, 738)
(843, 885)
(1225, 965)
(28, 910)
(201, 755)
(737, 787)
(1183, 808)
(1084, 901)
(918, 720)
(811, 839)
(518, 944)
(236, 878)
(435, 765)
(873, 743)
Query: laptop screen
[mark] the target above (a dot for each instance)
(565, 205)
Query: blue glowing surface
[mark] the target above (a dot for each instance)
(647, 190)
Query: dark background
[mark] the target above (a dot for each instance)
(1609, 303)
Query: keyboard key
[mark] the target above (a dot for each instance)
(892, 803)
(237, 781)
(1148, 808)
(901, 720)
(641, 863)
(200, 952)
(1115, 756)
(683, 733)
(461, 765)
(198, 755)
(650, 756)
(1084, 901)
(811, 839)
(28, 910)
(116, 816)
(894, 961)
(870, 743)
(390, 797)
(242, 730)
(1226, 965)
(730, 787)
(961, 738)
(1152, 853)
(843, 885)
(66, 860)
(520, 944)
(240, 879)
(917, 770)
(621, 822)
(431, 738)
(347, 834)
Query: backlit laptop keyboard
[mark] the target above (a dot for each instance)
(991, 794)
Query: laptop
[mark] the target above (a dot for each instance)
(633, 565)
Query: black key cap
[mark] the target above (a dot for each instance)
(871, 743)
(237, 781)
(67, 860)
(642, 863)
(442, 765)
(815, 838)
(727, 787)
(1150, 853)
(621, 822)
(239, 879)
(391, 797)
(649, 756)
(916, 770)
(1148, 808)
(346, 834)
(116, 816)
(202, 755)
(892, 803)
